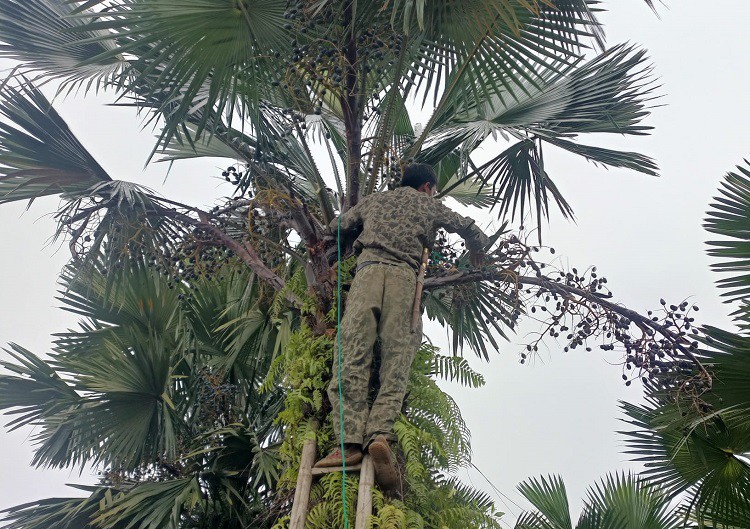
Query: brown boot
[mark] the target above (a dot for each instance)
(384, 462)
(352, 455)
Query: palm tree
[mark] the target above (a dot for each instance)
(168, 408)
(168, 388)
(700, 447)
(618, 502)
(266, 86)
(280, 89)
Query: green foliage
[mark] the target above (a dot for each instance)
(260, 83)
(728, 218)
(160, 388)
(306, 367)
(39, 155)
(617, 502)
(698, 447)
(195, 395)
(432, 437)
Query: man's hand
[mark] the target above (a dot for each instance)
(477, 259)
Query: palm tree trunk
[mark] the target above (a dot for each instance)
(352, 110)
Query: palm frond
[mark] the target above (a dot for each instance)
(216, 145)
(728, 218)
(455, 181)
(155, 505)
(36, 392)
(549, 497)
(628, 502)
(702, 458)
(47, 40)
(607, 94)
(729, 358)
(210, 54)
(474, 313)
(129, 412)
(474, 49)
(122, 365)
(238, 333)
(60, 513)
(39, 155)
(608, 157)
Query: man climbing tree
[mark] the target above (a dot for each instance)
(395, 228)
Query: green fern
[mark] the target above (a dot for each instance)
(432, 438)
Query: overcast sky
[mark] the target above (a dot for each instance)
(560, 413)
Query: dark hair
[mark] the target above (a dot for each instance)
(416, 174)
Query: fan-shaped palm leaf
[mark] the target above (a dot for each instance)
(549, 497)
(608, 94)
(122, 365)
(48, 41)
(60, 513)
(628, 502)
(617, 502)
(703, 457)
(36, 393)
(474, 49)
(473, 314)
(728, 218)
(155, 505)
(39, 155)
(207, 52)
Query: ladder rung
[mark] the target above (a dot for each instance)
(328, 470)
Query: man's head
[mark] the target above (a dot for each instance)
(421, 177)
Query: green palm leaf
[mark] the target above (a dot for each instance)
(729, 359)
(39, 155)
(476, 314)
(549, 497)
(607, 94)
(60, 513)
(728, 218)
(43, 36)
(703, 458)
(476, 48)
(454, 181)
(519, 179)
(628, 502)
(210, 53)
(156, 505)
(617, 502)
(36, 391)
(122, 365)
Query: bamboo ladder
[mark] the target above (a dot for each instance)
(304, 484)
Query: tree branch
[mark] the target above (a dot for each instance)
(244, 250)
(508, 276)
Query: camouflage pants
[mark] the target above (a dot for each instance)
(379, 305)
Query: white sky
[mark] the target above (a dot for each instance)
(559, 414)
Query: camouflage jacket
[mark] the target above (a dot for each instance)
(395, 226)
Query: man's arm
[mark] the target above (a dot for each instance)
(351, 224)
(351, 220)
(466, 228)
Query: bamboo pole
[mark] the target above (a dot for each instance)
(304, 484)
(364, 496)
